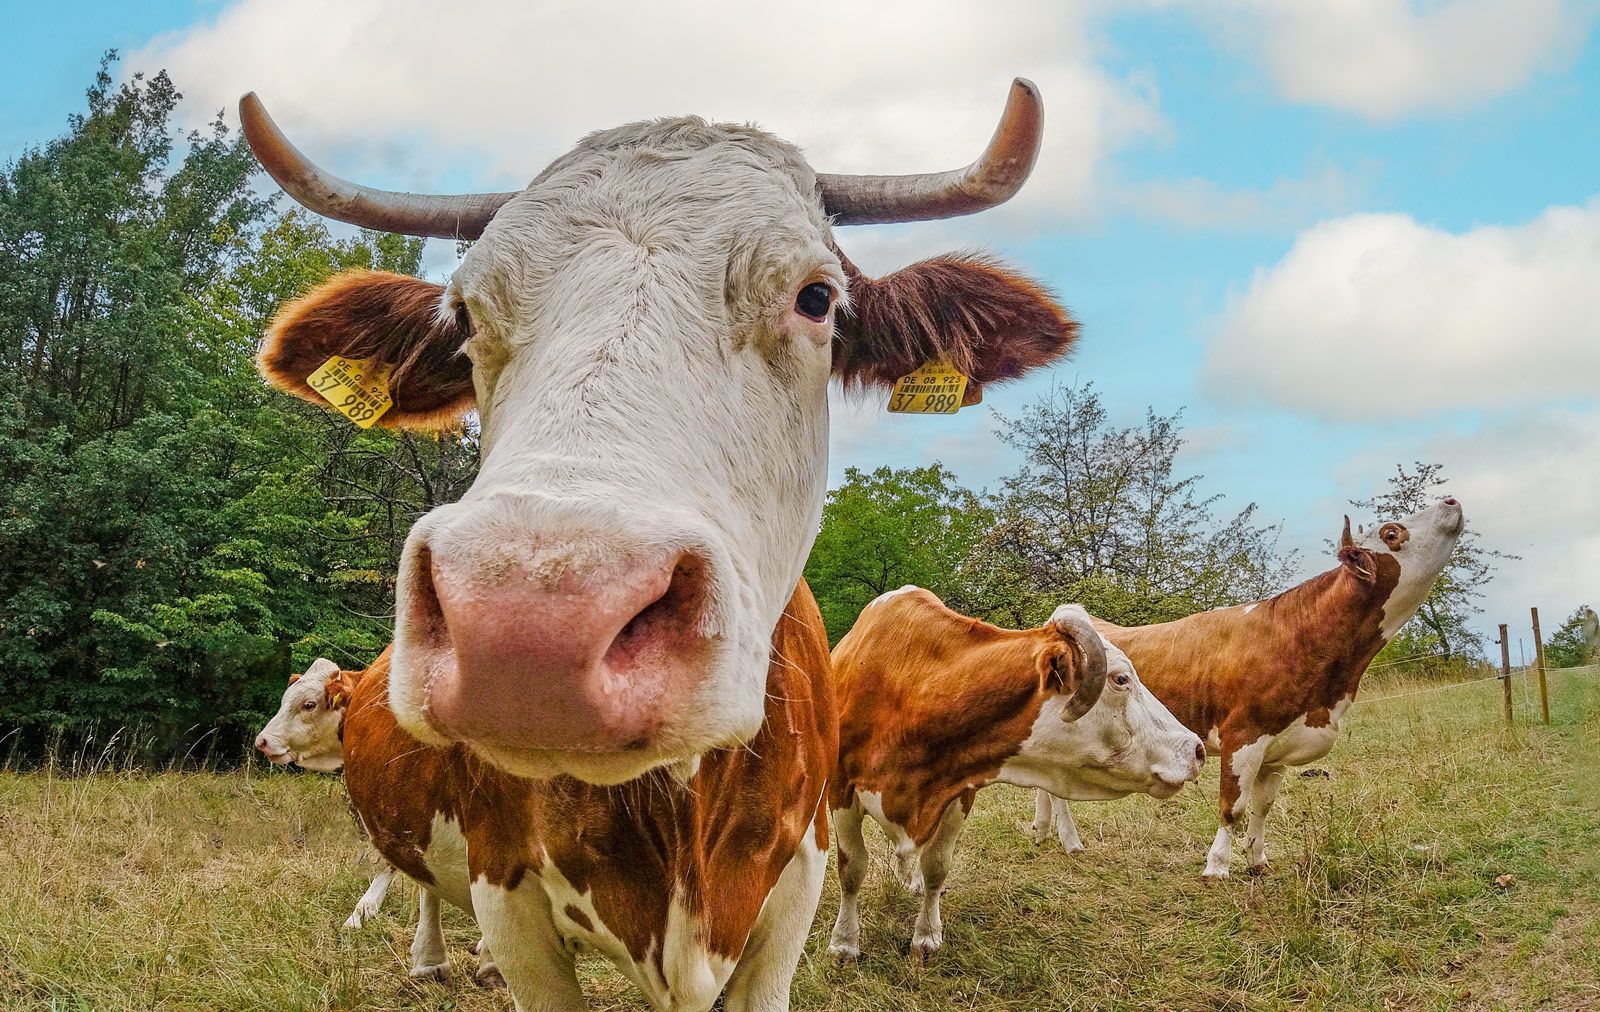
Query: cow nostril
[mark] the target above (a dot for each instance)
(1450, 501)
(1200, 752)
(680, 609)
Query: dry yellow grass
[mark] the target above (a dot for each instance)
(209, 890)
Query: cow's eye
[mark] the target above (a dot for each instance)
(814, 301)
(309, 705)
(1121, 678)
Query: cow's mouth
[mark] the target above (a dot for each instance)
(276, 758)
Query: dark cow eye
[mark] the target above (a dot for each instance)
(1120, 678)
(814, 301)
(309, 705)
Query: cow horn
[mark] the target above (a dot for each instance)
(442, 217)
(993, 179)
(1073, 623)
(1345, 540)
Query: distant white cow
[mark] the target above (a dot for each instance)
(1589, 628)
(308, 730)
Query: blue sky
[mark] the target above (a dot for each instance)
(1337, 235)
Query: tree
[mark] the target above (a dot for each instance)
(1096, 514)
(1441, 624)
(175, 537)
(1568, 647)
(883, 530)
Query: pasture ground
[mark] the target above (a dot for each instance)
(122, 890)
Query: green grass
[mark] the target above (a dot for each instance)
(207, 890)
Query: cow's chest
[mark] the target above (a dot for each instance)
(1307, 739)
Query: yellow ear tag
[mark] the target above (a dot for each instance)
(934, 389)
(338, 697)
(358, 388)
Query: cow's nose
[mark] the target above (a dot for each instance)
(1200, 753)
(579, 657)
(261, 743)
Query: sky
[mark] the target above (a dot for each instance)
(1338, 236)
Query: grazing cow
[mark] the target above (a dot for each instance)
(1589, 630)
(934, 705)
(607, 637)
(1267, 683)
(309, 730)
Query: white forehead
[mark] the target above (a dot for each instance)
(732, 201)
(311, 684)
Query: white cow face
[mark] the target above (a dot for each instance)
(1421, 544)
(1127, 742)
(647, 332)
(305, 730)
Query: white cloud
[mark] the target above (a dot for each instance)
(1375, 316)
(1287, 203)
(496, 88)
(1388, 59)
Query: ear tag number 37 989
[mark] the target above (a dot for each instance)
(934, 389)
(357, 388)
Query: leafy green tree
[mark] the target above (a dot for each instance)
(883, 530)
(1567, 647)
(1098, 515)
(174, 536)
(1442, 624)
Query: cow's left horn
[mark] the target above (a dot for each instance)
(993, 179)
(442, 217)
(1073, 623)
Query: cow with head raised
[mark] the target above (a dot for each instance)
(1267, 683)
(609, 633)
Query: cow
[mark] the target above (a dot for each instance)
(1267, 683)
(934, 705)
(1589, 633)
(608, 638)
(308, 730)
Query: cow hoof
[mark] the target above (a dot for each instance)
(353, 922)
(922, 949)
(439, 973)
(1071, 848)
(475, 947)
(1259, 869)
(490, 977)
(1214, 875)
(844, 955)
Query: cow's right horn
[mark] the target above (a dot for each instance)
(463, 216)
(1073, 623)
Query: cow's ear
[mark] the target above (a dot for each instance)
(1359, 562)
(970, 311)
(379, 317)
(1055, 666)
(338, 689)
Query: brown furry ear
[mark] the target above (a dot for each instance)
(969, 311)
(376, 315)
(338, 690)
(1360, 563)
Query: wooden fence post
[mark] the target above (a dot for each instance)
(1538, 655)
(1505, 668)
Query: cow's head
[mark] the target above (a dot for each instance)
(1402, 558)
(305, 730)
(647, 332)
(1127, 741)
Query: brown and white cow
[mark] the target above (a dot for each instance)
(934, 705)
(609, 631)
(1268, 682)
(309, 730)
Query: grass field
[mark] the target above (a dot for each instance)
(209, 891)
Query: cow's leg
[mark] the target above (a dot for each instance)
(936, 854)
(537, 968)
(1043, 805)
(760, 983)
(1241, 763)
(367, 906)
(488, 974)
(1066, 829)
(850, 849)
(428, 958)
(1262, 795)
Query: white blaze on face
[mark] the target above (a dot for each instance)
(305, 730)
(654, 429)
(1422, 544)
(1127, 742)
